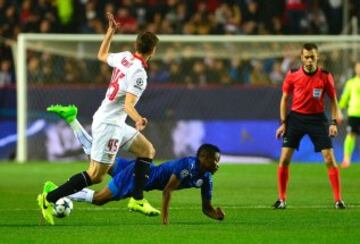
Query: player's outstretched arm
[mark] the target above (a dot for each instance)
(211, 212)
(171, 186)
(105, 45)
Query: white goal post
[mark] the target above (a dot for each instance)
(34, 42)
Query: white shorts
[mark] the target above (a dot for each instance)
(108, 139)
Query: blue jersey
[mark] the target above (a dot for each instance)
(186, 170)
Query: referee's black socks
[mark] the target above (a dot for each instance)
(142, 171)
(74, 184)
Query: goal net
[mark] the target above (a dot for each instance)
(223, 90)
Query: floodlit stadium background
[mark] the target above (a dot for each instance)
(216, 77)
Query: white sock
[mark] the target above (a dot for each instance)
(85, 195)
(83, 137)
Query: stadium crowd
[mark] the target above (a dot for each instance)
(232, 17)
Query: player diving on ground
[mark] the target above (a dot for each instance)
(188, 172)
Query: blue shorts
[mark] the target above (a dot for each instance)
(122, 185)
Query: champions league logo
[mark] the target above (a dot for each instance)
(139, 83)
(199, 183)
(184, 173)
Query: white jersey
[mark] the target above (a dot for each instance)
(128, 76)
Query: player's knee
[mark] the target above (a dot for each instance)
(329, 160)
(284, 161)
(152, 152)
(149, 152)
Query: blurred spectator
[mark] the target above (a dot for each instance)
(234, 70)
(45, 26)
(46, 68)
(228, 19)
(103, 75)
(251, 20)
(316, 20)
(276, 75)
(195, 65)
(33, 70)
(258, 75)
(198, 74)
(6, 77)
(28, 19)
(334, 12)
(295, 16)
(128, 22)
(276, 27)
(174, 74)
(158, 73)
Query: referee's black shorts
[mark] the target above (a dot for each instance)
(314, 125)
(354, 125)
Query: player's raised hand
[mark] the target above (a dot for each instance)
(141, 124)
(280, 131)
(220, 215)
(113, 24)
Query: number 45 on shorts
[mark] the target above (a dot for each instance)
(113, 145)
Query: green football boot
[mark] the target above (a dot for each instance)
(142, 206)
(68, 113)
(49, 186)
(46, 208)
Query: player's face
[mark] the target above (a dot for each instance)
(210, 161)
(309, 59)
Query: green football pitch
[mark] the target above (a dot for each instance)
(245, 192)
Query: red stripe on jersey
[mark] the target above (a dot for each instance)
(143, 61)
(308, 90)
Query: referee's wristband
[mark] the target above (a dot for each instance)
(283, 121)
(333, 122)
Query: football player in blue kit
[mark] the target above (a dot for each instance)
(188, 172)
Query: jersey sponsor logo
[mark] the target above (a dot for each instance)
(317, 93)
(199, 183)
(139, 83)
(184, 173)
(126, 62)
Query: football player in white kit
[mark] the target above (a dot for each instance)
(109, 130)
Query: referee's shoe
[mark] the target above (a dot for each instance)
(279, 204)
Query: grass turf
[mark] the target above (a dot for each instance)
(245, 192)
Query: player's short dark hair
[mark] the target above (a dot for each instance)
(309, 46)
(146, 42)
(207, 148)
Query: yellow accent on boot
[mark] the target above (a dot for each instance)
(46, 208)
(142, 206)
